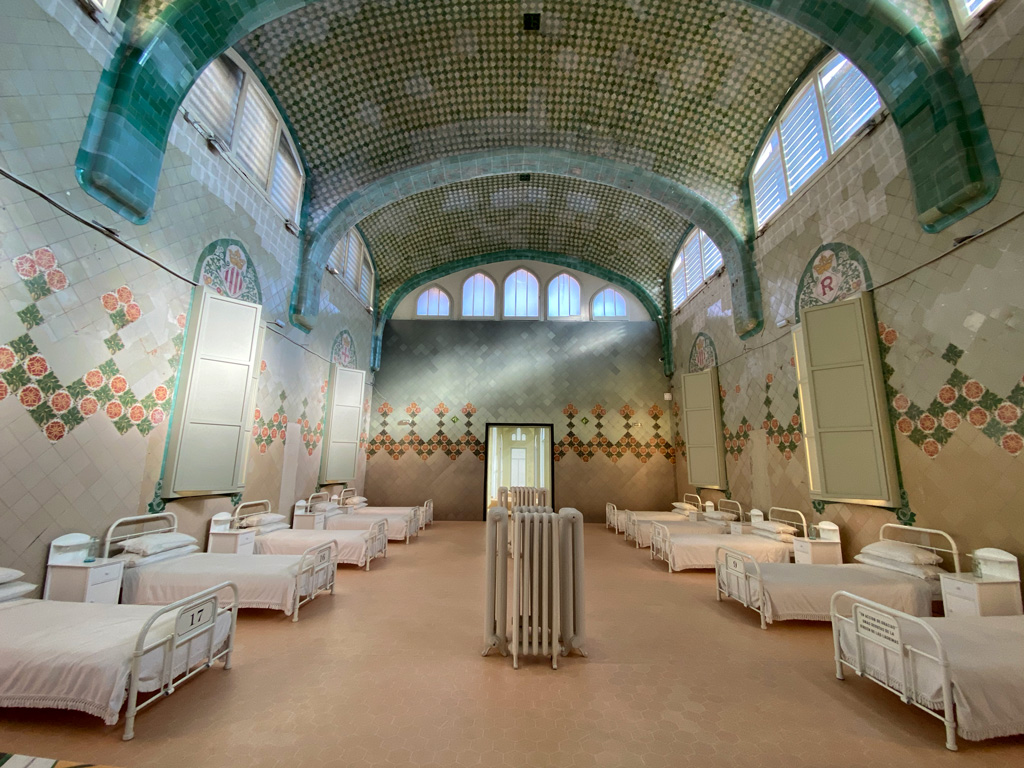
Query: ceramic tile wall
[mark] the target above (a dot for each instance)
(90, 333)
(950, 329)
(599, 385)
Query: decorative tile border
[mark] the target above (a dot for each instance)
(267, 430)
(961, 400)
(785, 436)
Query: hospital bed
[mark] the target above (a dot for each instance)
(93, 657)
(781, 592)
(701, 551)
(279, 582)
(354, 547)
(404, 522)
(966, 671)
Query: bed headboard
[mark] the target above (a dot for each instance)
(728, 505)
(247, 508)
(346, 493)
(693, 498)
(792, 516)
(922, 537)
(133, 527)
(318, 496)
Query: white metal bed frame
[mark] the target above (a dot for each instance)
(415, 522)
(733, 577)
(197, 615)
(609, 516)
(376, 540)
(878, 624)
(632, 524)
(661, 537)
(733, 506)
(316, 563)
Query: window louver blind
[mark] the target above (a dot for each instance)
(564, 297)
(366, 281)
(478, 297)
(214, 97)
(257, 130)
(769, 180)
(803, 139)
(678, 282)
(691, 263)
(287, 184)
(351, 270)
(973, 6)
(850, 100)
(712, 255)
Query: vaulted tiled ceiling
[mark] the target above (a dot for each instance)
(680, 88)
(612, 229)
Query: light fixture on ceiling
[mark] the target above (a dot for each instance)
(279, 323)
(332, 270)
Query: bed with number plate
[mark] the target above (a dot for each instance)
(279, 582)
(93, 657)
(790, 592)
(355, 547)
(700, 551)
(966, 671)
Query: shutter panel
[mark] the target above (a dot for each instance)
(344, 413)
(213, 407)
(845, 405)
(257, 129)
(850, 100)
(803, 139)
(712, 255)
(702, 429)
(214, 97)
(678, 282)
(286, 187)
(692, 263)
(769, 180)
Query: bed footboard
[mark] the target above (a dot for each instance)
(661, 544)
(873, 624)
(376, 541)
(316, 572)
(196, 621)
(734, 579)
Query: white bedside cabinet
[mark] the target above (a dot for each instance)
(964, 594)
(235, 542)
(817, 551)
(736, 528)
(308, 521)
(95, 582)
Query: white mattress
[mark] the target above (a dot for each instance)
(690, 552)
(986, 660)
(78, 655)
(645, 528)
(805, 591)
(264, 581)
(398, 524)
(349, 546)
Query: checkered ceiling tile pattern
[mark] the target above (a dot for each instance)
(602, 225)
(683, 89)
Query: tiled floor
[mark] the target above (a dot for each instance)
(389, 672)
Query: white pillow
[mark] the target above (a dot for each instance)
(134, 560)
(786, 538)
(903, 552)
(278, 525)
(321, 506)
(684, 505)
(714, 514)
(773, 526)
(264, 518)
(154, 543)
(9, 574)
(929, 572)
(351, 501)
(12, 590)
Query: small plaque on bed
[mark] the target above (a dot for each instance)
(878, 627)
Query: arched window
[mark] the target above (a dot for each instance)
(230, 107)
(350, 262)
(478, 296)
(820, 118)
(967, 11)
(564, 297)
(521, 294)
(433, 302)
(697, 262)
(609, 303)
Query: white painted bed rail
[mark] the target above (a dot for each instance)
(610, 510)
(196, 621)
(733, 578)
(879, 625)
(693, 498)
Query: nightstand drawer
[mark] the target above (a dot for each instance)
(802, 547)
(105, 573)
(308, 522)
(959, 588)
(955, 605)
(107, 592)
(245, 538)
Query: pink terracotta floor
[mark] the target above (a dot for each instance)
(389, 672)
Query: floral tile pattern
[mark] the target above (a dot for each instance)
(267, 429)
(40, 273)
(121, 306)
(961, 400)
(783, 434)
